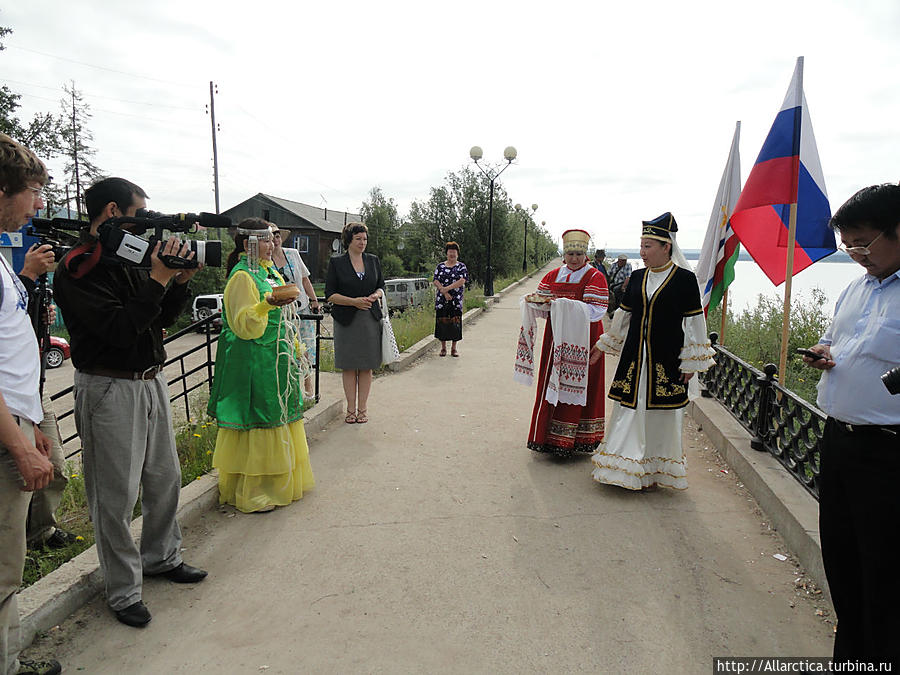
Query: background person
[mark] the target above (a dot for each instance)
(261, 450)
(662, 326)
(24, 463)
(291, 267)
(860, 449)
(618, 280)
(353, 285)
(599, 264)
(566, 428)
(42, 529)
(115, 314)
(450, 279)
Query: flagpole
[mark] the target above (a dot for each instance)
(792, 233)
(724, 316)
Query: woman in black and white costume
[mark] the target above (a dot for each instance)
(661, 335)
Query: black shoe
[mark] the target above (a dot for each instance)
(183, 574)
(27, 667)
(136, 615)
(60, 539)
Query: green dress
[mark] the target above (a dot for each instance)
(261, 451)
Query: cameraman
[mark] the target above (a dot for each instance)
(860, 449)
(115, 314)
(24, 465)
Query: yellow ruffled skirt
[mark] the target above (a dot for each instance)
(262, 467)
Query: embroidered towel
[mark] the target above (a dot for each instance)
(571, 323)
(524, 367)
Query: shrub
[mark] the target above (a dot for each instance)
(755, 335)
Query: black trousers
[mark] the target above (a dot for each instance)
(859, 523)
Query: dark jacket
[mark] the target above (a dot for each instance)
(656, 323)
(342, 279)
(115, 314)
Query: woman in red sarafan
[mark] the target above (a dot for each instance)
(564, 429)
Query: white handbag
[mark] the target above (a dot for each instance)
(389, 351)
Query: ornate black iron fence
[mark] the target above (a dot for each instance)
(192, 374)
(779, 421)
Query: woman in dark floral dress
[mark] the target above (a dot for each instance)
(450, 278)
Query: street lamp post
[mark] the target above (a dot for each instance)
(526, 215)
(492, 172)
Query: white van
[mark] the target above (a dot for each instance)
(403, 293)
(208, 305)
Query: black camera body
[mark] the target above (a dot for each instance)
(891, 380)
(46, 233)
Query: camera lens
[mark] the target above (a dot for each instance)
(207, 253)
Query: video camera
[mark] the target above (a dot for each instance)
(127, 246)
(60, 241)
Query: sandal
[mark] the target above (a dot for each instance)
(454, 353)
(351, 418)
(443, 352)
(361, 417)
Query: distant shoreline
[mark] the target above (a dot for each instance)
(694, 254)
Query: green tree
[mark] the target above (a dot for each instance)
(75, 140)
(379, 214)
(41, 134)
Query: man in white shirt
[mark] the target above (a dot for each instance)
(24, 450)
(860, 449)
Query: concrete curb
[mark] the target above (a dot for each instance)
(791, 509)
(51, 599)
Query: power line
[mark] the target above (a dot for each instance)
(91, 65)
(112, 112)
(108, 98)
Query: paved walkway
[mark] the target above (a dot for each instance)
(435, 541)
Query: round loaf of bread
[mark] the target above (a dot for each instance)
(286, 292)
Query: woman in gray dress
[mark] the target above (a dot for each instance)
(354, 285)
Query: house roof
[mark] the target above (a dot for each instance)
(329, 221)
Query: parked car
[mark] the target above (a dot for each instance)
(205, 306)
(57, 353)
(403, 293)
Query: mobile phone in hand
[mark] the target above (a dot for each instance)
(815, 356)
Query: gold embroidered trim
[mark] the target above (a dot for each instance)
(663, 268)
(618, 469)
(640, 461)
(665, 388)
(637, 489)
(625, 385)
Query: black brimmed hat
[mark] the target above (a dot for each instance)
(660, 228)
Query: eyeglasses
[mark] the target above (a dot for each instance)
(38, 192)
(861, 251)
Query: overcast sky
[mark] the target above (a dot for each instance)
(618, 113)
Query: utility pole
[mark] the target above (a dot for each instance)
(212, 119)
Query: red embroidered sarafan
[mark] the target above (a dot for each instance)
(564, 429)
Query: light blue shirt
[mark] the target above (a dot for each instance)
(865, 343)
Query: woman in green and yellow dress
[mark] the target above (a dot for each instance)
(261, 451)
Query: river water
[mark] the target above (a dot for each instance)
(749, 282)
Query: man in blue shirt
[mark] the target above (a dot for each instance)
(860, 451)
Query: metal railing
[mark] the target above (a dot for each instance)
(780, 422)
(184, 383)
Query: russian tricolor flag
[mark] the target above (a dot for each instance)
(787, 171)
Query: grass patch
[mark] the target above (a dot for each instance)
(72, 516)
(195, 442)
(413, 324)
